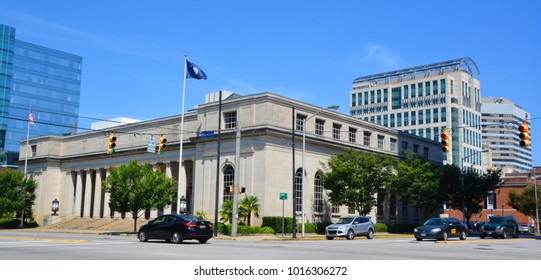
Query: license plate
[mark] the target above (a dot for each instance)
(488, 232)
(202, 226)
(453, 231)
(423, 234)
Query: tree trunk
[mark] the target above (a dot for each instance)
(134, 214)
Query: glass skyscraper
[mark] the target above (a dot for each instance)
(40, 80)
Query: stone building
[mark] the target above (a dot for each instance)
(71, 168)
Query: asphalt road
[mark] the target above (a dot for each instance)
(16, 245)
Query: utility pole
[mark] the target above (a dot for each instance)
(235, 213)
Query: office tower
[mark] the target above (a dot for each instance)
(500, 121)
(39, 79)
(424, 101)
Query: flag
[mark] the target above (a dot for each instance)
(30, 119)
(193, 71)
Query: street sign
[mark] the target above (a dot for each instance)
(283, 196)
(206, 134)
(151, 146)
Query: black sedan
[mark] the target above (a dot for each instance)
(176, 228)
(441, 229)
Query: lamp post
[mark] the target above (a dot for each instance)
(462, 182)
(55, 207)
(333, 107)
(182, 205)
(536, 206)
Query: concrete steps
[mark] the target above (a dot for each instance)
(104, 224)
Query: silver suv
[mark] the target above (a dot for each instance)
(349, 227)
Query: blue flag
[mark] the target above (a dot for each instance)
(193, 71)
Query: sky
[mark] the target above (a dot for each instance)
(311, 51)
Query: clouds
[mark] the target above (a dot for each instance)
(377, 58)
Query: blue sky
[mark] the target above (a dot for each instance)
(307, 50)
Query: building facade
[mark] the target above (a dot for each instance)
(424, 101)
(34, 78)
(71, 168)
(500, 120)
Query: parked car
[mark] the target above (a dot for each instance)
(478, 225)
(525, 228)
(499, 226)
(441, 229)
(176, 228)
(349, 227)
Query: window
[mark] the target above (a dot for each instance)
(230, 119)
(396, 97)
(298, 190)
(381, 141)
(320, 126)
(351, 210)
(352, 135)
(404, 146)
(229, 180)
(379, 207)
(353, 100)
(427, 88)
(299, 121)
(335, 209)
(435, 87)
(318, 194)
(366, 138)
(442, 86)
(34, 150)
(393, 145)
(336, 130)
(404, 209)
(392, 205)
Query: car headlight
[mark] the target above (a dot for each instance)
(436, 230)
(415, 230)
(498, 227)
(342, 228)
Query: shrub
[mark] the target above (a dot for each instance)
(401, 228)
(381, 228)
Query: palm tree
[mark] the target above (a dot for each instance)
(226, 213)
(250, 204)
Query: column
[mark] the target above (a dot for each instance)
(78, 184)
(88, 193)
(98, 195)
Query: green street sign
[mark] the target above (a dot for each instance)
(283, 196)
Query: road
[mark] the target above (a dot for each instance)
(16, 245)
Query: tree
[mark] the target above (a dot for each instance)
(249, 205)
(472, 194)
(134, 188)
(226, 212)
(353, 178)
(17, 193)
(416, 183)
(525, 202)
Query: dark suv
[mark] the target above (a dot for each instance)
(499, 226)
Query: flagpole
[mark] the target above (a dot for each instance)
(180, 177)
(26, 155)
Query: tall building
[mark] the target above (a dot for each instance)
(424, 101)
(34, 78)
(500, 120)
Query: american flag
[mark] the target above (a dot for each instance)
(30, 119)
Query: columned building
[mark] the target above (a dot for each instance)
(71, 168)
(425, 100)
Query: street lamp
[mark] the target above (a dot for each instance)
(55, 207)
(333, 107)
(462, 182)
(182, 205)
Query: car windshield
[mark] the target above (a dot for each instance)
(496, 220)
(347, 220)
(435, 222)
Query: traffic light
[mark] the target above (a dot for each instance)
(242, 189)
(230, 189)
(445, 143)
(161, 145)
(111, 146)
(524, 134)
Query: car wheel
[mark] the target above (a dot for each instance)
(463, 235)
(350, 235)
(202, 241)
(176, 237)
(370, 234)
(482, 236)
(504, 234)
(445, 236)
(330, 238)
(419, 239)
(142, 236)
(515, 235)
